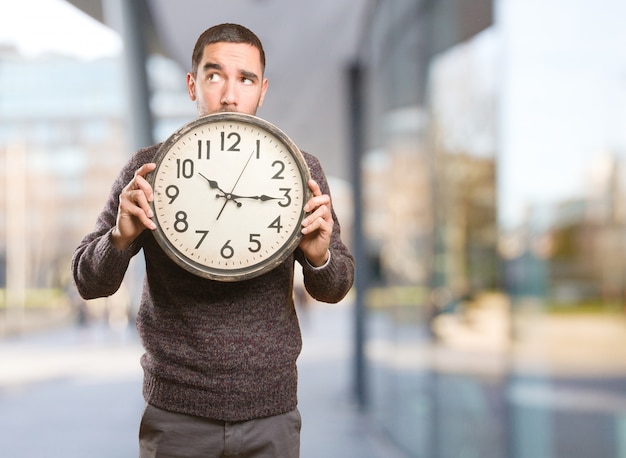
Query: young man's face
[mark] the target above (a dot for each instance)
(229, 78)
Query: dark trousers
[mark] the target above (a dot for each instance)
(165, 434)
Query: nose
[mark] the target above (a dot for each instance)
(229, 95)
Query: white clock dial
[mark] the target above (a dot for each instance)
(229, 191)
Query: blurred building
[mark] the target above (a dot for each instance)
(466, 224)
(63, 138)
(571, 253)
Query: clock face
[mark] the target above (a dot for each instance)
(229, 191)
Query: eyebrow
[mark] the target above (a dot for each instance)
(245, 73)
(250, 75)
(211, 66)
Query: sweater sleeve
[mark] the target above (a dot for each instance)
(333, 281)
(98, 268)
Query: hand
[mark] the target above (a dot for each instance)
(262, 197)
(134, 213)
(229, 196)
(214, 185)
(317, 227)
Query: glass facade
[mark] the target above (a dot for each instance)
(63, 138)
(63, 130)
(495, 311)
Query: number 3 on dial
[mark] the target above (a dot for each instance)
(229, 192)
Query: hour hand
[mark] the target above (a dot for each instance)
(213, 184)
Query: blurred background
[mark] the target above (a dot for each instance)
(475, 151)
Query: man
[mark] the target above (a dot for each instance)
(220, 375)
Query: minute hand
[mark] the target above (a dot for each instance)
(262, 197)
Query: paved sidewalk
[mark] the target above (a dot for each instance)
(332, 425)
(75, 393)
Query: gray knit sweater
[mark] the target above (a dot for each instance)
(225, 351)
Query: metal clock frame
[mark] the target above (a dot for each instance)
(275, 259)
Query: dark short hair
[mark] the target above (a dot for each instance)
(229, 33)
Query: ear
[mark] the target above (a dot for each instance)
(191, 86)
(263, 91)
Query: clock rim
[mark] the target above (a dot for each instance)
(266, 265)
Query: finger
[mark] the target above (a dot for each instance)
(138, 206)
(321, 216)
(145, 169)
(139, 181)
(317, 202)
(315, 188)
(317, 224)
(142, 202)
(134, 198)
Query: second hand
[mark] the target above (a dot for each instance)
(235, 185)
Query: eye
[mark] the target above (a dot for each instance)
(214, 77)
(247, 81)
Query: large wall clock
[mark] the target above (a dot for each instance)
(229, 196)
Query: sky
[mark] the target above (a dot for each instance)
(563, 105)
(40, 26)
